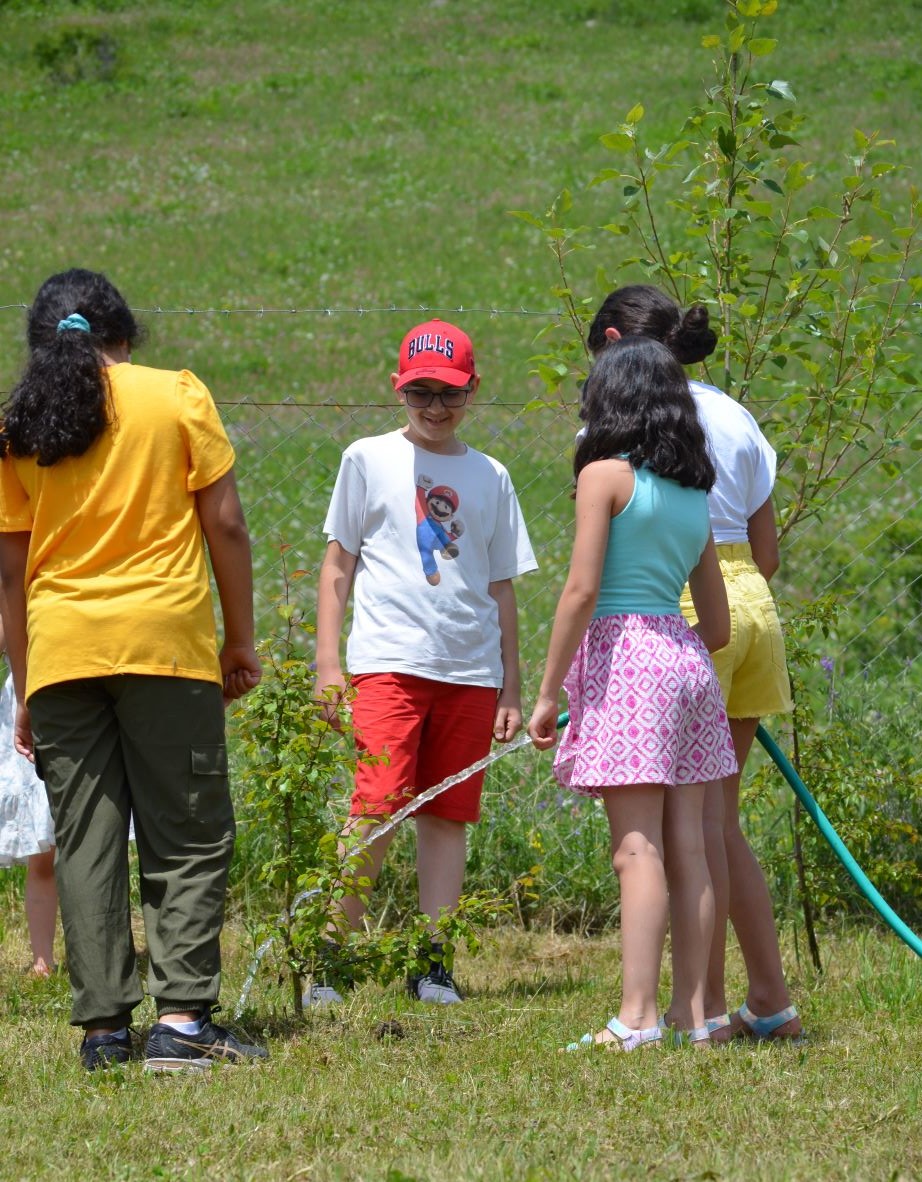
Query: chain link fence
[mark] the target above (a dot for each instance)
(865, 551)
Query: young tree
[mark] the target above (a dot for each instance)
(816, 298)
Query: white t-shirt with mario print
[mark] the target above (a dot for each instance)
(431, 532)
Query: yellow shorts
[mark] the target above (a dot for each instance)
(751, 668)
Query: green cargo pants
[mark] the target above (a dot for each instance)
(154, 748)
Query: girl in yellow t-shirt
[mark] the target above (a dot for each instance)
(112, 478)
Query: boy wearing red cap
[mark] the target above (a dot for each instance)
(427, 534)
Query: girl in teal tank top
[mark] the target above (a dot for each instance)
(647, 730)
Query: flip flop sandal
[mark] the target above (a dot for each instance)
(680, 1038)
(625, 1038)
(763, 1029)
(720, 1022)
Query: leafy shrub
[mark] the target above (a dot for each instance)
(292, 766)
(77, 55)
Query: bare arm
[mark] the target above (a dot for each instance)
(602, 490)
(14, 551)
(508, 721)
(763, 539)
(334, 586)
(225, 530)
(709, 594)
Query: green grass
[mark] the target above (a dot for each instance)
(480, 1092)
(366, 155)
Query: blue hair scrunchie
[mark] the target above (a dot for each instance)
(74, 320)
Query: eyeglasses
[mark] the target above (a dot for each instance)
(419, 397)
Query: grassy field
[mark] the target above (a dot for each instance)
(319, 155)
(285, 187)
(387, 1091)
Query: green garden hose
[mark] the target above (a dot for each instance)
(861, 880)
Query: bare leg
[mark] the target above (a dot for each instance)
(691, 900)
(441, 854)
(715, 998)
(350, 909)
(635, 818)
(750, 901)
(41, 911)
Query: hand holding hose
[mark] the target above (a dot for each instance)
(542, 726)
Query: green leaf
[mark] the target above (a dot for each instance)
(621, 141)
(564, 202)
(781, 89)
(607, 174)
(525, 216)
(635, 114)
(860, 248)
(726, 141)
(674, 149)
(761, 46)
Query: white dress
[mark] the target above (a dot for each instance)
(26, 827)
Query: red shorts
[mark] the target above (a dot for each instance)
(427, 731)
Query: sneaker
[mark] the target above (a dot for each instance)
(318, 996)
(330, 965)
(437, 987)
(105, 1050)
(168, 1050)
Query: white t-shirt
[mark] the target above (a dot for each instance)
(743, 457)
(431, 532)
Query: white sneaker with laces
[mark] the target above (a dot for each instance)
(436, 987)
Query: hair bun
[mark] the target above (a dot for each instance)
(693, 339)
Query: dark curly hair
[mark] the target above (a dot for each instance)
(643, 310)
(637, 404)
(60, 406)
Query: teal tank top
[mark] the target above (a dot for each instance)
(653, 543)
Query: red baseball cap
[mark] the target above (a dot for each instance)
(438, 350)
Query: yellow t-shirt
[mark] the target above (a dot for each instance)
(116, 579)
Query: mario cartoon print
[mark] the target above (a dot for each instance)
(437, 528)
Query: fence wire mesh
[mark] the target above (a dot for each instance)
(867, 553)
(865, 550)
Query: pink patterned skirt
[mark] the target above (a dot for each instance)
(645, 708)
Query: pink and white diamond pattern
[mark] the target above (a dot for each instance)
(645, 708)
